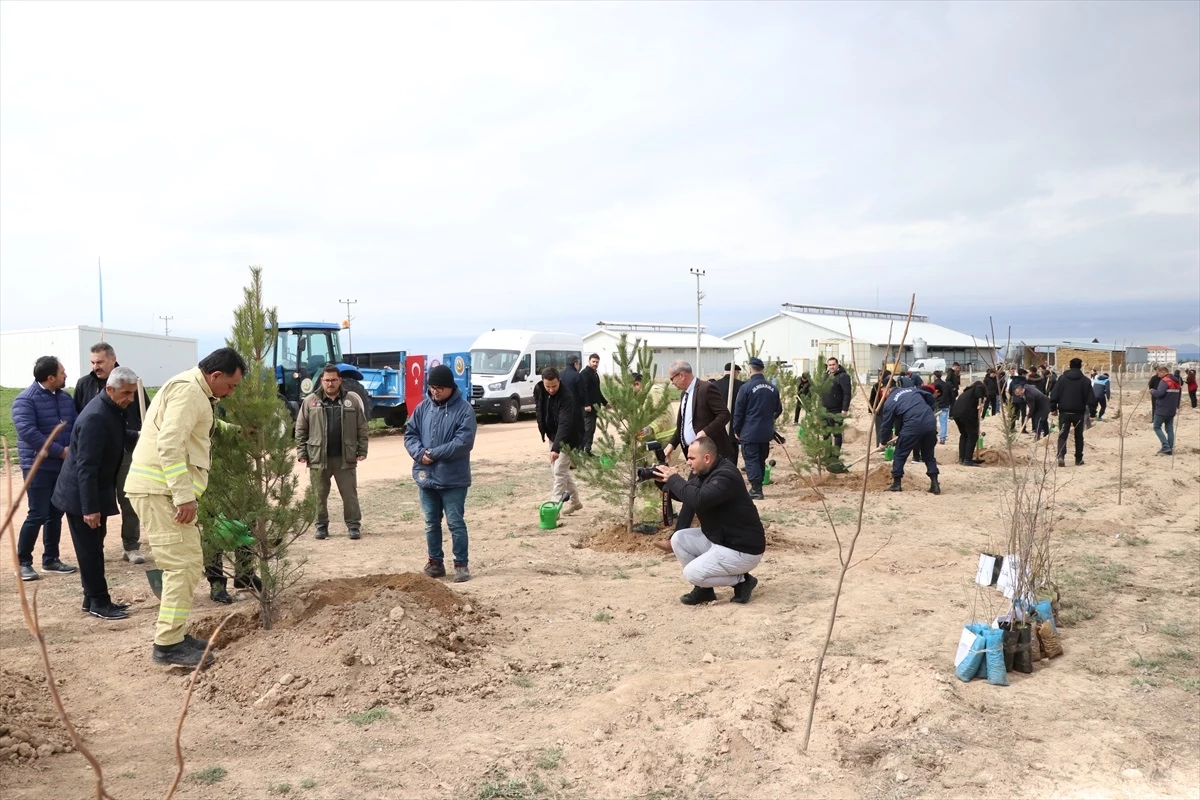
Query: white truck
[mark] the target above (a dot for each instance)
(506, 364)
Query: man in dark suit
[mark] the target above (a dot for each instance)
(722, 384)
(87, 488)
(702, 412)
(593, 398)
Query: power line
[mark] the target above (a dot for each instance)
(699, 273)
(166, 325)
(349, 319)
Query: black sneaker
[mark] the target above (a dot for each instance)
(59, 567)
(179, 655)
(322, 533)
(355, 533)
(109, 612)
(86, 608)
(698, 595)
(741, 591)
(28, 573)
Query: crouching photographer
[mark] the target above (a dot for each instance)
(730, 540)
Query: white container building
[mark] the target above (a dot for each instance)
(154, 357)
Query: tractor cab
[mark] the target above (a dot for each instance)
(301, 350)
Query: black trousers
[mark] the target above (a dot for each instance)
(756, 454)
(1067, 420)
(589, 430)
(1041, 427)
(89, 549)
(968, 437)
(214, 566)
(1019, 410)
(1102, 406)
(923, 443)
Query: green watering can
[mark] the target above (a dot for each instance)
(606, 462)
(766, 481)
(889, 452)
(226, 534)
(979, 444)
(548, 513)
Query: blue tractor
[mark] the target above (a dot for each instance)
(304, 348)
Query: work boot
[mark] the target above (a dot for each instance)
(1079, 461)
(1062, 461)
(250, 581)
(896, 487)
(461, 573)
(934, 486)
(756, 491)
(572, 508)
(218, 593)
(194, 643)
(741, 591)
(698, 595)
(435, 568)
(355, 532)
(179, 654)
(322, 531)
(134, 557)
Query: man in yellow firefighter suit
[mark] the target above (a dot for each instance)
(168, 475)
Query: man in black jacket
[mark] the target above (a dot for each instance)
(722, 384)
(730, 540)
(944, 393)
(104, 361)
(965, 412)
(593, 398)
(560, 417)
(1038, 406)
(87, 487)
(837, 400)
(1074, 400)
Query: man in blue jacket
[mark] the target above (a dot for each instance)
(912, 410)
(439, 436)
(757, 407)
(36, 411)
(87, 487)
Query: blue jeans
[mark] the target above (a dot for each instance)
(435, 502)
(1160, 422)
(44, 516)
(943, 416)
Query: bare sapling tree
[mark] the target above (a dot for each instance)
(632, 418)
(29, 613)
(846, 550)
(1123, 422)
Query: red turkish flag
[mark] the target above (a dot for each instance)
(414, 381)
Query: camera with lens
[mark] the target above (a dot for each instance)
(647, 473)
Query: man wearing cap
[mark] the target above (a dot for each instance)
(757, 407)
(331, 437)
(439, 436)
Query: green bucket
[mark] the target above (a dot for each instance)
(889, 452)
(767, 475)
(548, 515)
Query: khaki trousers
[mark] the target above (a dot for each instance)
(564, 482)
(177, 553)
(347, 483)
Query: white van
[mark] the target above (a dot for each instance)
(505, 366)
(927, 366)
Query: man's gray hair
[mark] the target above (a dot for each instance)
(104, 347)
(678, 367)
(121, 376)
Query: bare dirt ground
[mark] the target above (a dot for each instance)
(568, 671)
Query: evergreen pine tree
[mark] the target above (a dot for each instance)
(621, 430)
(819, 452)
(253, 479)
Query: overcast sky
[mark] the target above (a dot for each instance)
(458, 167)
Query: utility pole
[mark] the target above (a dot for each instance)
(699, 273)
(349, 319)
(166, 325)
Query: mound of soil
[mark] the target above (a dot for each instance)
(29, 728)
(615, 539)
(381, 640)
(993, 458)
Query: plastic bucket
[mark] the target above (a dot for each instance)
(548, 515)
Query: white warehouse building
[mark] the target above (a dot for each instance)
(154, 357)
(804, 335)
(667, 343)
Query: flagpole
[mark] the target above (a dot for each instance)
(100, 275)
